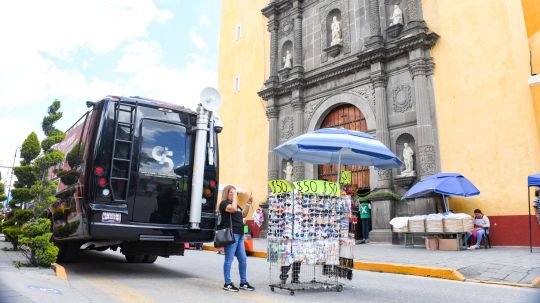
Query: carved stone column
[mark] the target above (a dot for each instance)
(382, 209)
(379, 82)
(273, 28)
(297, 102)
(297, 55)
(415, 22)
(375, 39)
(426, 157)
(272, 112)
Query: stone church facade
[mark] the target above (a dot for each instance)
(373, 54)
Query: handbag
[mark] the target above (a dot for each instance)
(224, 236)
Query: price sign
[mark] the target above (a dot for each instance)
(317, 187)
(279, 186)
(346, 177)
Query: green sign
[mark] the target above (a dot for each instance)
(280, 186)
(346, 177)
(318, 187)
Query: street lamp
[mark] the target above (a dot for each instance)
(12, 169)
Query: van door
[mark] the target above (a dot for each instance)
(162, 191)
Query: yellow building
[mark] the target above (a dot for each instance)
(242, 70)
(470, 70)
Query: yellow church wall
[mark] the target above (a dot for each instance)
(243, 155)
(485, 113)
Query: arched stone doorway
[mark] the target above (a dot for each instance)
(350, 117)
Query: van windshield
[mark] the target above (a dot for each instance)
(164, 149)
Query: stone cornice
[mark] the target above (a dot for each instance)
(272, 112)
(364, 59)
(275, 7)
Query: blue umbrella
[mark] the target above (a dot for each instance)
(446, 184)
(339, 146)
(534, 180)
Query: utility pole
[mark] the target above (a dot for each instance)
(11, 175)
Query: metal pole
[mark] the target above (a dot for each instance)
(12, 169)
(530, 226)
(198, 167)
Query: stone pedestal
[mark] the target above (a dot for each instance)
(394, 30)
(382, 211)
(333, 50)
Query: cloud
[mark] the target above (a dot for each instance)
(53, 30)
(13, 133)
(198, 40)
(204, 20)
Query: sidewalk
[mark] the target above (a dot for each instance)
(509, 265)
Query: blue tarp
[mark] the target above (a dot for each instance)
(448, 184)
(534, 180)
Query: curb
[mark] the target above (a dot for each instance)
(60, 271)
(532, 285)
(423, 271)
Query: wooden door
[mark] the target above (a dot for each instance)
(349, 117)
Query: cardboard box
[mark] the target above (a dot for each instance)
(448, 244)
(432, 243)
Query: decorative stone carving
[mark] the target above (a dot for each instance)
(298, 172)
(412, 10)
(286, 128)
(286, 27)
(426, 159)
(397, 16)
(384, 174)
(343, 7)
(336, 31)
(333, 50)
(401, 98)
(408, 153)
(367, 93)
(309, 109)
(288, 172)
(272, 112)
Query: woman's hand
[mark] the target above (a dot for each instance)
(250, 199)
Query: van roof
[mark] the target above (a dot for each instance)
(151, 102)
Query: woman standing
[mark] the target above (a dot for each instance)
(231, 212)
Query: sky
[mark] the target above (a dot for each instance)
(79, 50)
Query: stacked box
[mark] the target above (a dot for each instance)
(417, 225)
(452, 225)
(468, 224)
(403, 229)
(434, 226)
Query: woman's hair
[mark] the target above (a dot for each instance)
(226, 190)
(477, 211)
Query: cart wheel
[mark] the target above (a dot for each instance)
(292, 293)
(272, 289)
(339, 288)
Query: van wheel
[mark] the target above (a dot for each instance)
(149, 259)
(134, 258)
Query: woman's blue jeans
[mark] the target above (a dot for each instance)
(235, 249)
(479, 235)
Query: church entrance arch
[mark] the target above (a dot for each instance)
(350, 117)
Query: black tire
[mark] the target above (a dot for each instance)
(292, 293)
(134, 258)
(339, 288)
(68, 251)
(272, 289)
(149, 259)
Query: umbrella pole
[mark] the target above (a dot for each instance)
(339, 171)
(530, 227)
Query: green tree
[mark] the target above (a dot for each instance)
(3, 196)
(35, 243)
(30, 149)
(53, 134)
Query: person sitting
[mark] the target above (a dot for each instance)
(481, 225)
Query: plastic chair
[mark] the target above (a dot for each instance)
(485, 238)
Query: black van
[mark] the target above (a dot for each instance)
(126, 181)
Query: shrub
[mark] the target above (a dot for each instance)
(35, 242)
(12, 235)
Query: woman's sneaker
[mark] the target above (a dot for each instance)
(246, 286)
(230, 287)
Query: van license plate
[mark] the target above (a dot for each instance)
(108, 217)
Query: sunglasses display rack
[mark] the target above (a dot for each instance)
(309, 243)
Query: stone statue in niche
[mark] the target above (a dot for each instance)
(336, 31)
(288, 172)
(287, 60)
(397, 16)
(408, 153)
